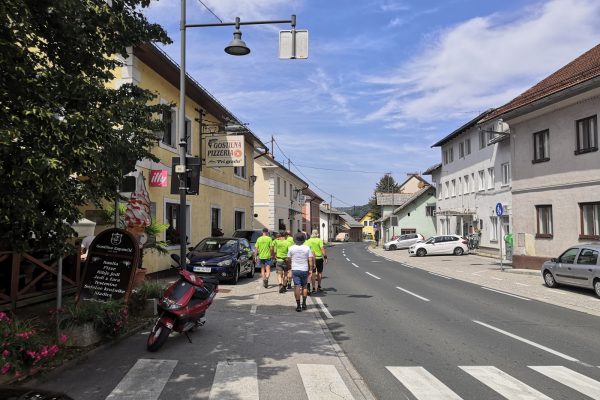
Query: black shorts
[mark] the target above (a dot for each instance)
(319, 264)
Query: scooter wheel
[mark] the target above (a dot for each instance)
(157, 337)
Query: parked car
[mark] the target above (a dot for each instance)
(576, 266)
(223, 258)
(444, 244)
(342, 237)
(251, 235)
(403, 241)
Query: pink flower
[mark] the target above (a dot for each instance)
(18, 374)
(31, 354)
(4, 317)
(63, 338)
(6, 353)
(4, 370)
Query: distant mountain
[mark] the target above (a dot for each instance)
(355, 211)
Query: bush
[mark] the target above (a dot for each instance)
(147, 290)
(25, 347)
(108, 318)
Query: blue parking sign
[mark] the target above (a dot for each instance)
(499, 209)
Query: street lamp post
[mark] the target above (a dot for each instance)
(236, 47)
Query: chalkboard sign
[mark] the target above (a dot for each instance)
(110, 267)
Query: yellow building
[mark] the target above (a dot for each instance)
(367, 221)
(226, 194)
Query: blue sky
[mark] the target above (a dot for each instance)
(385, 79)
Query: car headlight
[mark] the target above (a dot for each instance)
(224, 263)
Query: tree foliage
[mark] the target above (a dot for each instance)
(386, 184)
(66, 137)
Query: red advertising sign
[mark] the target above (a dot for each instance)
(158, 178)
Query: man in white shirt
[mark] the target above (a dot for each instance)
(300, 258)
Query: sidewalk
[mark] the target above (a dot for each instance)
(485, 271)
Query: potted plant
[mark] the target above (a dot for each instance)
(87, 322)
(144, 299)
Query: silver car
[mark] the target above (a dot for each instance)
(576, 266)
(403, 241)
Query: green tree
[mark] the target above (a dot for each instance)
(386, 184)
(67, 137)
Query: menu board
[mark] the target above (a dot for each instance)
(112, 260)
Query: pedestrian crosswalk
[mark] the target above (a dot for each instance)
(240, 380)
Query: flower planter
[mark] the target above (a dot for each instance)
(150, 308)
(81, 335)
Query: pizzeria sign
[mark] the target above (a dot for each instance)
(224, 151)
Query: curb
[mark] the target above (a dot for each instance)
(46, 376)
(352, 372)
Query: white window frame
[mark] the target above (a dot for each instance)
(482, 140)
(481, 180)
(461, 150)
(491, 177)
(278, 188)
(468, 146)
(494, 229)
(453, 188)
(447, 191)
(505, 174)
(240, 172)
(466, 188)
(243, 212)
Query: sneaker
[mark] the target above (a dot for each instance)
(319, 289)
(298, 309)
(266, 283)
(314, 291)
(303, 307)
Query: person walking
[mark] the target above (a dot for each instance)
(301, 259)
(318, 248)
(262, 256)
(279, 250)
(290, 240)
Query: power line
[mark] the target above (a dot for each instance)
(211, 11)
(342, 170)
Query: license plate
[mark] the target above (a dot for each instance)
(202, 269)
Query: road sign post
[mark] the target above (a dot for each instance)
(499, 212)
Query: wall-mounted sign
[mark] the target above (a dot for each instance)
(112, 260)
(225, 151)
(158, 178)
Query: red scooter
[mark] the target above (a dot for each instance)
(183, 306)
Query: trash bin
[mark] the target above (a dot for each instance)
(508, 240)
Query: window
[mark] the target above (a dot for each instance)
(482, 140)
(281, 224)
(239, 218)
(430, 211)
(439, 189)
(505, 174)
(284, 188)
(568, 257)
(541, 151)
(494, 229)
(466, 187)
(482, 180)
(460, 186)
(240, 171)
(394, 221)
(366, 223)
(587, 135)
(215, 219)
(172, 217)
(278, 185)
(451, 154)
(473, 182)
(544, 221)
(446, 157)
(291, 193)
(587, 257)
(490, 178)
(461, 150)
(468, 146)
(453, 187)
(447, 192)
(590, 220)
(170, 133)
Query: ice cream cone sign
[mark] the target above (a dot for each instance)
(137, 214)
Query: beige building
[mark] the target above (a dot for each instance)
(556, 165)
(278, 199)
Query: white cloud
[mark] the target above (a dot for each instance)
(487, 61)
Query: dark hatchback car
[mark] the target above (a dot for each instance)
(252, 235)
(224, 258)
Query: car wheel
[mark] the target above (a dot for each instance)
(458, 251)
(597, 287)
(236, 276)
(421, 252)
(393, 247)
(551, 283)
(250, 274)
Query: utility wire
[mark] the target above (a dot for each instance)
(342, 170)
(211, 11)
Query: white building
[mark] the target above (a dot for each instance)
(474, 177)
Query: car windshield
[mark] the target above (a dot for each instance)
(250, 236)
(215, 244)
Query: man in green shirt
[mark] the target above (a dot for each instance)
(318, 248)
(279, 250)
(262, 256)
(290, 240)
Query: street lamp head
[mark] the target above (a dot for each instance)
(237, 47)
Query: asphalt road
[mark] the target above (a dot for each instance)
(387, 315)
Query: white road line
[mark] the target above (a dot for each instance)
(355, 265)
(497, 279)
(521, 284)
(529, 342)
(422, 384)
(506, 385)
(235, 380)
(504, 293)
(323, 382)
(347, 259)
(136, 385)
(440, 275)
(374, 276)
(322, 307)
(572, 379)
(407, 266)
(412, 294)
(253, 309)
(376, 261)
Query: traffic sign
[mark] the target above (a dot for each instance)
(499, 209)
(293, 44)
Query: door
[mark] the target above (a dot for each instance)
(245, 256)
(450, 242)
(564, 267)
(437, 245)
(585, 267)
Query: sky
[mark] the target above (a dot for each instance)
(384, 79)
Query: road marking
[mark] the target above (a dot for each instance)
(412, 294)
(574, 380)
(347, 259)
(521, 284)
(253, 309)
(376, 261)
(422, 384)
(322, 382)
(235, 380)
(355, 265)
(136, 385)
(529, 342)
(440, 275)
(374, 276)
(478, 272)
(322, 307)
(507, 294)
(506, 385)
(497, 279)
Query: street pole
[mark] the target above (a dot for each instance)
(182, 144)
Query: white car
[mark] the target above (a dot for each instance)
(444, 244)
(403, 241)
